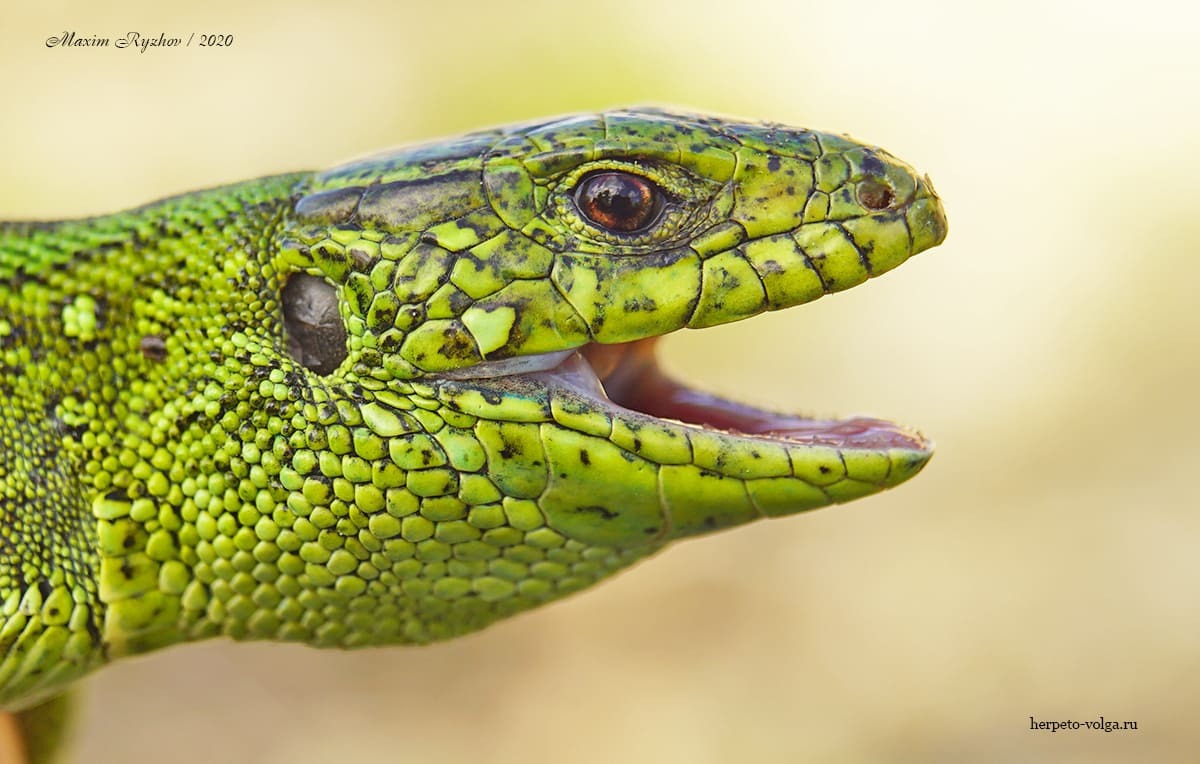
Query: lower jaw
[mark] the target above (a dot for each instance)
(634, 457)
(626, 377)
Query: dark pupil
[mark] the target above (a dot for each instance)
(617, 201)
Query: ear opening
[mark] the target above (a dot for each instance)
(315, 333)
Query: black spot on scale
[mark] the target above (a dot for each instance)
(872, 164)
(774, 163)
(636, 304)
(596, 509)
(584, 458)
(823, 469)
(457, 344)
(154, 348)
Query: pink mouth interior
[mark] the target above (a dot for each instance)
(632, 379)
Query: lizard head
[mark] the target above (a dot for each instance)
(520, 278)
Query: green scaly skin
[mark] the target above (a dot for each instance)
(169, 471)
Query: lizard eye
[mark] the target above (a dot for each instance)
(316, 336)
(619, 202)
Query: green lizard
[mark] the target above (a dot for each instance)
(398, 400)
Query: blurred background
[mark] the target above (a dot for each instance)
(1045, 564)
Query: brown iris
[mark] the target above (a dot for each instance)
(620, 202)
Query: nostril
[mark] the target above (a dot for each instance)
(874, 194)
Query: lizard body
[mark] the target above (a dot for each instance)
(346, 408)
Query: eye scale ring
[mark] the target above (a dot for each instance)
(618, 202)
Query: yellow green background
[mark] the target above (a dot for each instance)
(1045, 564)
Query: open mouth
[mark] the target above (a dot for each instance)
(627, 376)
